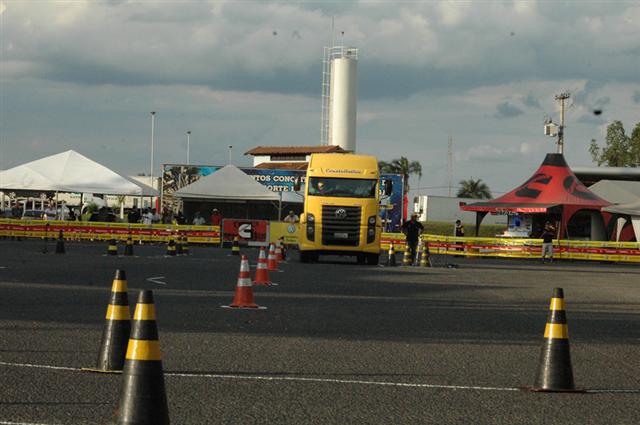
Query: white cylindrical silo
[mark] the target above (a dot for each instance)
(343, 100)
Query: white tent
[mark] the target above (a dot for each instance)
(228, 183)
(70, 172)
(632, 210)
(617, 191)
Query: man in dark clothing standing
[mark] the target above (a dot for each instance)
(412, 230)
(547, 241)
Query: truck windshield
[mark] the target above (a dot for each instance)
(342, 188)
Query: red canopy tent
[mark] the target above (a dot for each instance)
(553, 189)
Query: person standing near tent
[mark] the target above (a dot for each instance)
(198, 220)
(412, 230)
(458, 231)
(547, 241)
(50, 212)
(291, 218)
(216, 217)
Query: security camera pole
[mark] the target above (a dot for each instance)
(561, 97)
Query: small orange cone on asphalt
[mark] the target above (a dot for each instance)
(555, 373)
(272, 262)
(262, 273)
(243, 297)
(143, 400)
(278, 252)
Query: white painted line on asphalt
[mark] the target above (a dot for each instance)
(319, 380)
(157, 280)
(340, 381)
(20, 423)
(39, 366)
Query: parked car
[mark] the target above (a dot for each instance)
(7, 213)
(32, 215)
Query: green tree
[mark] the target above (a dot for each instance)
(634, 142)
(402, 166)
(473, 189)
(619, 150)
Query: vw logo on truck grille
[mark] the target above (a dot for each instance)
(341, 213)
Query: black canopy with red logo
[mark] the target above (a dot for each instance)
(553, 189)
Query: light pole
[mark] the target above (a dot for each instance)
(188, 143)
(561, 97)
(153, 122)
(230, 147)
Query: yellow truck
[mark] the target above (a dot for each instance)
(341, 206)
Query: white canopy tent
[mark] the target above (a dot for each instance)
(70, 172)
(632, 210)
(229, 183)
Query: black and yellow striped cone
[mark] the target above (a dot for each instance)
(117, 327)
(128, 248)
(112, 248)
(185, 245)
(235, 246)
(425, 261)
(171, 247)
(60, 244)
(555, 373)
(178, 239)
(391, 259)
(143, 400)
(406, 257)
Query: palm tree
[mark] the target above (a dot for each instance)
(402, 166)
(473, 189)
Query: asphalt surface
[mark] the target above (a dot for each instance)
(338, 343)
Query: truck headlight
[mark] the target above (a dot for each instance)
(311, 231)
(372, 220)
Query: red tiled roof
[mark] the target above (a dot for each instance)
(293, 150)
(283, 165)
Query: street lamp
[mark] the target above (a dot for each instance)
(188, 142)
(153, 122)
(230, 147)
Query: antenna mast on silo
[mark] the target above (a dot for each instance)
(450, 163)
(339, 96)
(326, 90)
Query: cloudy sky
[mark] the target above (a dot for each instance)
(84, 75)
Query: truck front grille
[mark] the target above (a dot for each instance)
(337, 230)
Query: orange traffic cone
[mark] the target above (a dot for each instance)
(243, 297)
(262, 274)
(272, 262)
(278, 253)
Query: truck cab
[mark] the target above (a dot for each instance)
(341, 208)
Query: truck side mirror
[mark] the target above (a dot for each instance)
(388, 187)
(296, 184)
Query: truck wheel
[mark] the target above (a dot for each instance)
(304, 257)
(373, 259)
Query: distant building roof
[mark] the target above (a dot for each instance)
(591, 175)
(293, 150)
(283, 165)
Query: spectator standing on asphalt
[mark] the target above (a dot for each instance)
(198, 220)
(147, 217)
(291, 218)
(547, 236)
(134, 215)
(50, 212)
(458, 231)
(155, 217)
(412, 230)
(216, 217)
